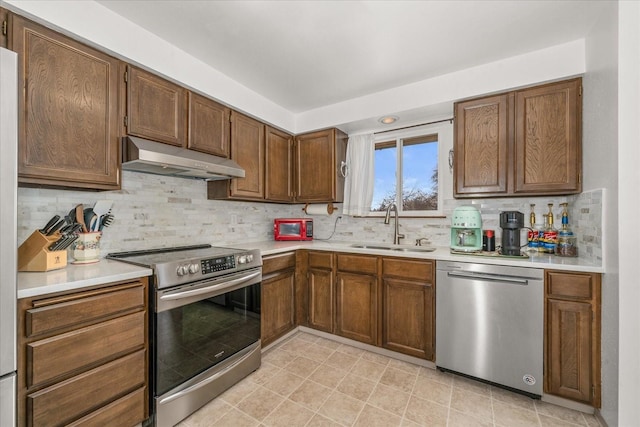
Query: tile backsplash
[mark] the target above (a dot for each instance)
(155, 211)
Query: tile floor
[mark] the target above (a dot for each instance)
(312, 381)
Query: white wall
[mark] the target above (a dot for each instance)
(629, 233)
(600, 158)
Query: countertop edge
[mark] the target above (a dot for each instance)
(549, 262)
(77, 277)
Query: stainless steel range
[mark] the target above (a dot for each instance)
(205, 324)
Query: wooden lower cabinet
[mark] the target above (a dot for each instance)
(357, 298)
(83, 357)
(408, 307)
(572, 336)
(320, 281)
(278, 296)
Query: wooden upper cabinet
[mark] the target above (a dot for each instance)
(156, 108)
(319, 158)
(247, 149)
(5, 22)
(68, 103)
(521, 143)
(548, 154)
(481, 148)
(208, 126)
(278, 165)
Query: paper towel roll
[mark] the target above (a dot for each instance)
(325, 209)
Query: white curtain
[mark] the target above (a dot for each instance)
(358, 183)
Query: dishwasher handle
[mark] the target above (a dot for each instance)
(488, 277)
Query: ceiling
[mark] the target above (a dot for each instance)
(303, 55)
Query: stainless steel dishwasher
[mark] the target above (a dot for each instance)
(489, 323)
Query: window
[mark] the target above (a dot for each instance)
(409, 164)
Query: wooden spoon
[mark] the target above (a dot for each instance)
(80, 217)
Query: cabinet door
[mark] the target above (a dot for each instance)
(68, 105)
(481, 146)
(407, 312)
(319, 156)
(548, 143)
(156, 108)
(321, 299)
(247, 149)
(572, 335)
(208, 126)
(569, 349)
(357, 307)
(277, 306)
(278, 166)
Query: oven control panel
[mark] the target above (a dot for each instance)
(217, 264)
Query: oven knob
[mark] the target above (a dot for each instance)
(194, 268)
(182, 270)
(249, 258)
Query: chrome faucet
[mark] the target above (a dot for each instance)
(396, 234)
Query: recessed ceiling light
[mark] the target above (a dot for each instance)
(387, 120)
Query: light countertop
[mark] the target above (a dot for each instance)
(440, 254)
(75, 277)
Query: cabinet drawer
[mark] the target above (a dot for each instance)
(66, 401)
(86, 307)
(570, 285)
(320, 260)
(408, 269)
(278, 262)
(358, 263)
(126, 411)
(64, 353)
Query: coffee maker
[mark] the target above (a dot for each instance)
(466, 229)
(511, 223)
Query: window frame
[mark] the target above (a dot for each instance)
(443, 133)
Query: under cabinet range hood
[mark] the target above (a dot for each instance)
(142, 155)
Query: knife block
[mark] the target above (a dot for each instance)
(33, 254)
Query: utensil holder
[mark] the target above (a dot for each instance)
(86, 249)
(33, 254)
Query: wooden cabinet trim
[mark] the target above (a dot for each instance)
(274, 263)
(129, 410)
(362, 264)
(76, 142)
(52, 314)
(64, 354)
(317, 259)
(156, 108)
(209, 126)
(422, 270)
(68, 400)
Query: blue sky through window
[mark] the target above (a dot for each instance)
(418, 165)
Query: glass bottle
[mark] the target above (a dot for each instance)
(550, 233)
(532, 234)
(567, 241)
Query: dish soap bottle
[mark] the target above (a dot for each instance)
(550, 233)
(567, 241)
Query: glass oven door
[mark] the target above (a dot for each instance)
(199, 325)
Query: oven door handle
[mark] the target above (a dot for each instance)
(203, 383)
(213, 288)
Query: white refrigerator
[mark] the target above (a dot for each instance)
(8, 233)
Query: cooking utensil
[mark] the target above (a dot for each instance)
(102, 207)
(50, 224)
(87, 215)
(80, 217)
(105, 221)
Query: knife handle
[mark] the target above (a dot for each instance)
(56, 227)
(49, 224)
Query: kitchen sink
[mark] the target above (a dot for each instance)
(393, 247)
